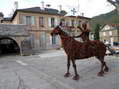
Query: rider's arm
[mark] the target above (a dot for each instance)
(80, 29)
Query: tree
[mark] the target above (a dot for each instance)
(96, 33)
(115, 3)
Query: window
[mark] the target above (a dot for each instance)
(79, 23)
(111, 40)
(42, 39)
(53, 39)
(28, 20)
(107, 27)
(52, 22)
(41, 21)
(67, 23)
(110, 33)
(32, 40)
(42, 36)
(72, 23)
(104, 34)
(63, 22)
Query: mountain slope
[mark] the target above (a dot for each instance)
(111, 17)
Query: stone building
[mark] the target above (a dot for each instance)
(15, 39)
(110, 33)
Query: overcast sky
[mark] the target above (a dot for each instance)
(90, 8)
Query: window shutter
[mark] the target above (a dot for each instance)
(54, 39)
(56, 21)
(49, 22)
(41, 21)
(75, 23)
(50, 40)
(22, 19)
(57, 39)
(32, 20)
(70, 23)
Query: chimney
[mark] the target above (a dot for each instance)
(60, 7)
(42, 4)
(16, 5)
(82, 14)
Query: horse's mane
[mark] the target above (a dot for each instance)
(65, 33)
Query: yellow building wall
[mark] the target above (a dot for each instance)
(36, 29)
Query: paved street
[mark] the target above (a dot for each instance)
(46, 70)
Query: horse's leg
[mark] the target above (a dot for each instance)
(76, 77)
(101, 73)
(106, 69)
(68, 66)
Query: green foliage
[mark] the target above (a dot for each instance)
(96, 33)
(108, 18)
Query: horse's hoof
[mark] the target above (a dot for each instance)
(67, 75)
(100, 74)
(106, 69)
(76, 77)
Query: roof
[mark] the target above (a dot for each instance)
(112, 25)
(49, 11)
(1, 14)
(82, 17)
(7, 19)
(14, 30)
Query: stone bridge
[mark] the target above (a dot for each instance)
(15, 39)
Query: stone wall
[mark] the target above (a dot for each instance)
(20, 34)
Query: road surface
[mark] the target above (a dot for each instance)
(46, 71)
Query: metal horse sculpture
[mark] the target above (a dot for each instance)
(80, 50)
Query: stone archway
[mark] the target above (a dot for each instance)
(8, 46)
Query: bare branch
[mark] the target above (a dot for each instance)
(117, 1)
(114, 3)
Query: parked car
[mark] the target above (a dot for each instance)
(116, 43)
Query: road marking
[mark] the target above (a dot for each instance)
(22, 63)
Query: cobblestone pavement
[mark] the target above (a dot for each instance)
(46, 70)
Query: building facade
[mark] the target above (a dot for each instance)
(110, 33)
(1, 16)
(42, 21)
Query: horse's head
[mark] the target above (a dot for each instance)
(60, 30)
(57, 30)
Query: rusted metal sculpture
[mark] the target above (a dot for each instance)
(81, 50)
(84, 32)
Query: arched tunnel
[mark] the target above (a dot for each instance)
(8, 46)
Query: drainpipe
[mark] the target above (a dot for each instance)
(118, 34)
